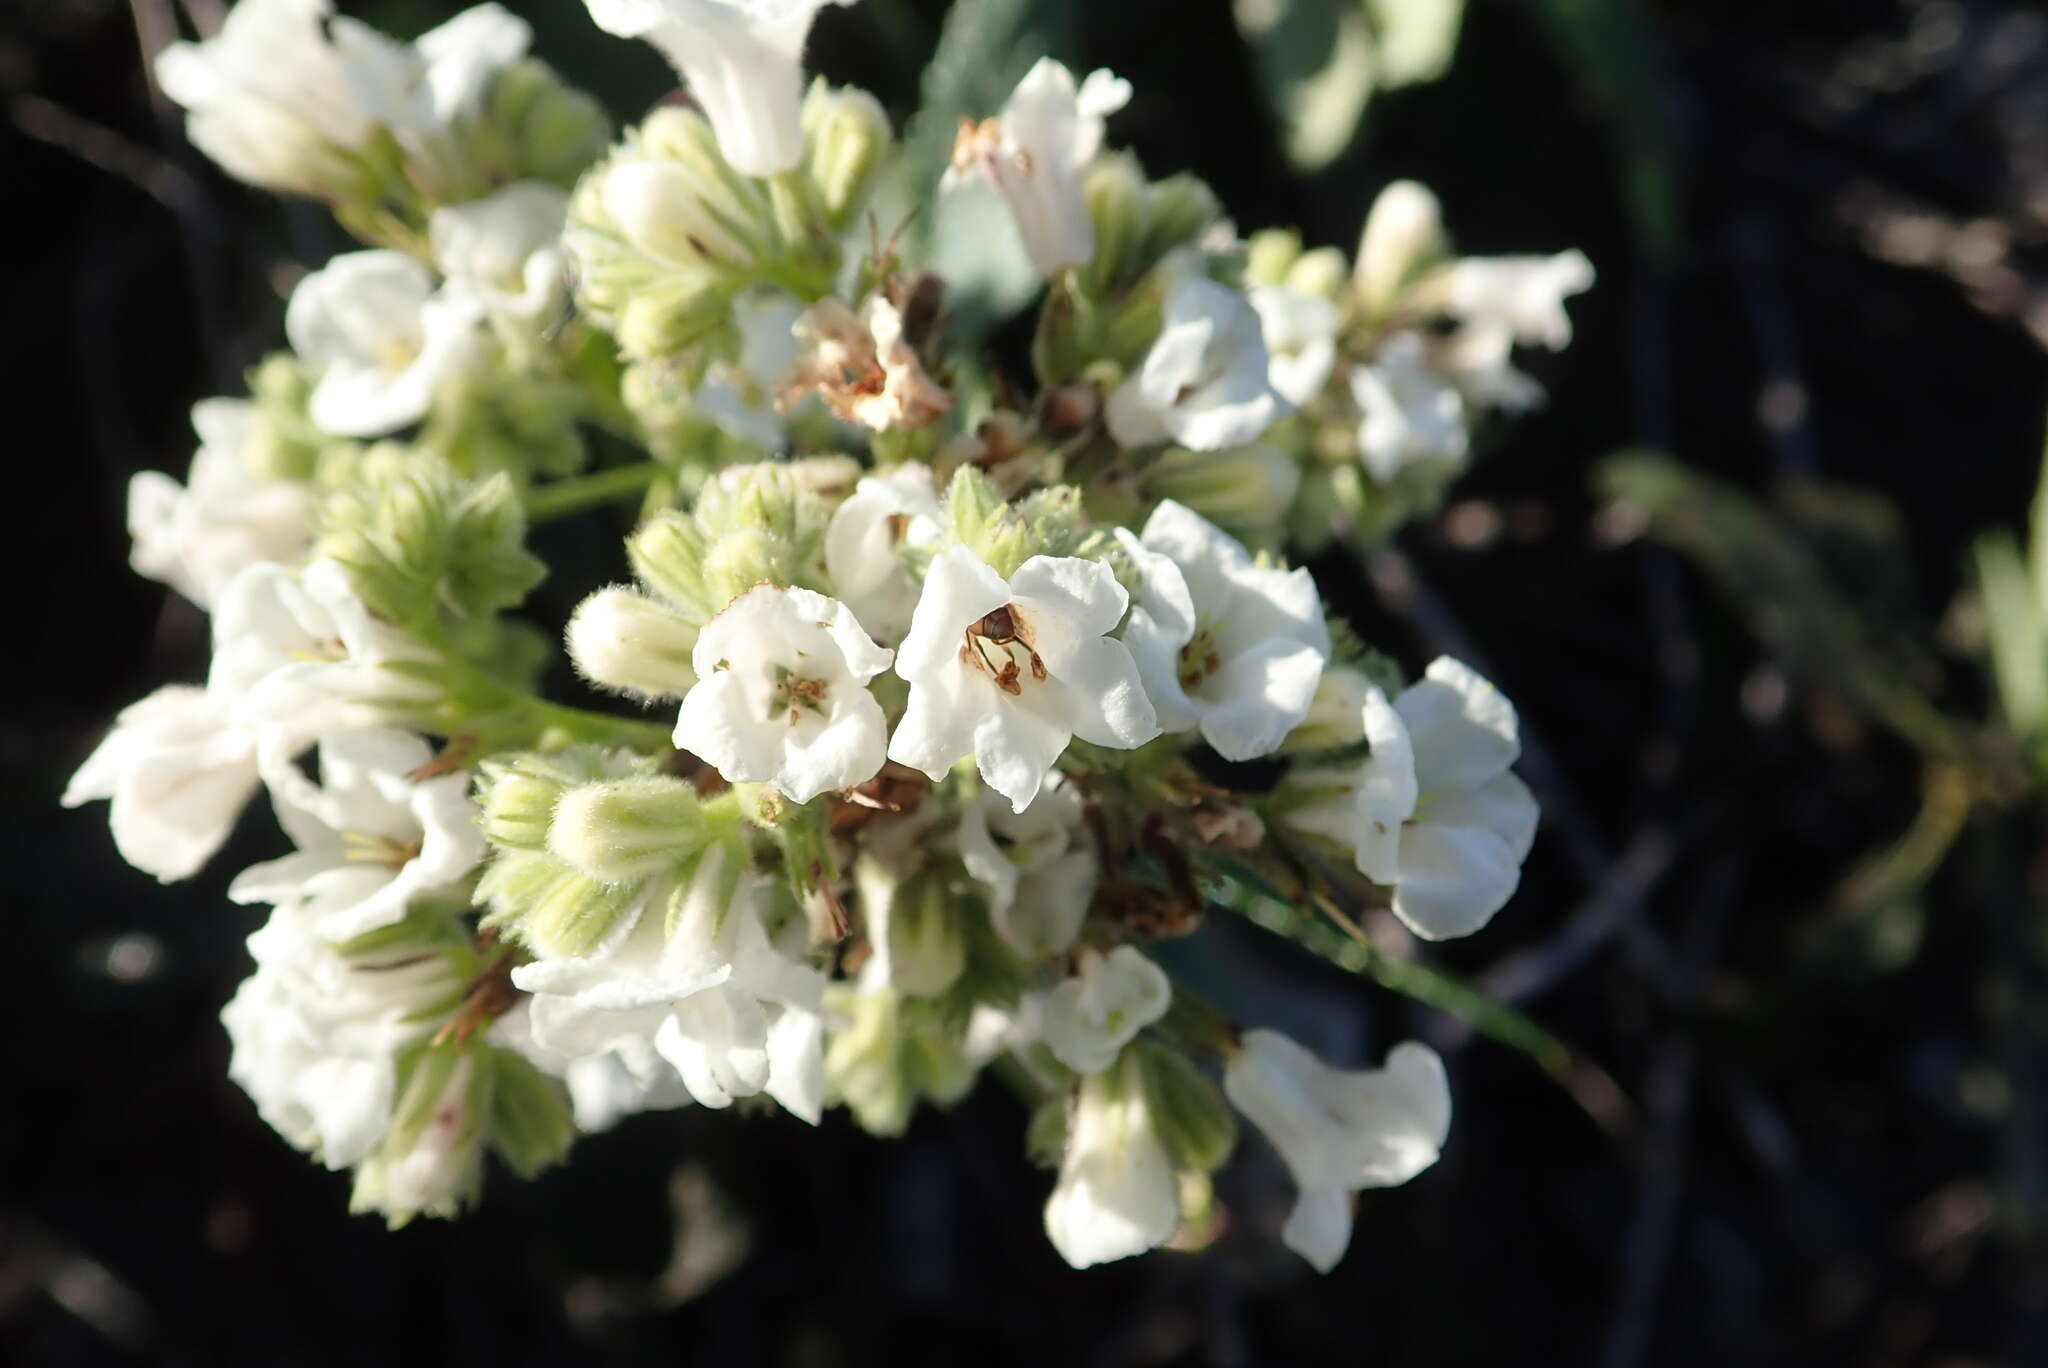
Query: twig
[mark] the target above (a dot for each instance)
(102, 148)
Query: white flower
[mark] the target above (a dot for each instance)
(1403, 235)
(862, 367)
(505, 250)
(1088, 1019)
(426, 86)
(314, 1032)
(430, 1162)
(1434, 813)
(707, 993)
(737, 395)
(380, 339)
(299, 650)
(1301, 334)
(1222, 643)
(179, 771)
(370, 840)
(620, 638)
(1117, 1194)
(1339, 1130)
(197, 536)
(885, 516)
(1036, 867)
(1034, 152)
(1408, 414)
(268, 97)
(1522, 296)
(604, 1088)
(1206, 382)
(1012, 671)
(782, 694)
(743, 62)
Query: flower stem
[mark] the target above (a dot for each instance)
(563, 498)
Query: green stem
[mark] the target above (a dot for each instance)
(491, 708)
(562, 498)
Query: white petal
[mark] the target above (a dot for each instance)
(1319, 1227)
(1453, 879)
(1464, 730)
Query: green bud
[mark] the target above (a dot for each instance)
(1245, 490)
(1189, 1111)
(846, 136)
(500, 420)
(1045, 1135)
(518, 810)
(1402, 241)
(530, 1125)
(1269, 253)
(282, 442)
(625, 830)
(893, 1052)
(1322, 272)
(622, 639)
(555, 131)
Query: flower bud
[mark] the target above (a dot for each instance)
(1321, 273)
(627, 829)
(531, 1127)
(893, 1051)
(431, 1161)
(517, 811)
(1269, 253)
(1403, 238)
(556, 131)
(621, 639)
(1334, 715)
(282, 443)
(914, 925)
(846, 135)
(1246, 490)
(1194, 1120)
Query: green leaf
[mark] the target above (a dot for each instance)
(2013, 627)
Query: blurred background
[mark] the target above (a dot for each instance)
(1787, 909)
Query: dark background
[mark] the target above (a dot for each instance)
(1820, 1161)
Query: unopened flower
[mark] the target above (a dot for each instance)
(1089, 1018)
(1301, 337)
(1408, 414)
(1117, 1193)
(269, 99)
(370, 325)
(1206, 383)
(620, 638)
(1010, 671)
(370, 838)
(1403, 238)
(886, 516)
(430, 1161)
(743, 62)
(862, 367)
(1036, 867)
(197, 536)
(1222, 643)
(781, 696)
(505, 249)
(1339, 1130)
(1034, 152)
(1435, 813)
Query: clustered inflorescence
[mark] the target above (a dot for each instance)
(962, 664)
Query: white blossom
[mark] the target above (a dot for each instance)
(1206, 382)
(782, 694)
(506, 250)
(422, 89)
(1034, 154)
(1521, 296)
(430, 1164)
(315, 1030)
(1036, 867)
(1403, 235)
(1087, 1019)
(1435, 813)
(1339, 1130)
(1010, 671)
(743, 63)
(1117, 1194)
(179, 770)
(299, 650)
(737, 395)
(1222, 643)
(886, 516)
(380, 339)
(702, 987)
(1408, 414)
(370, 838)
(197, 536)
(1300, 331)
(269, 99)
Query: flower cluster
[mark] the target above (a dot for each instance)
(966, 696)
